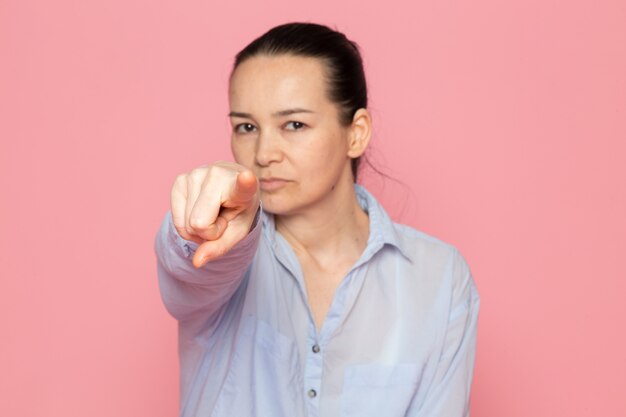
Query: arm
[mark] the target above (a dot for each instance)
(187, 291)
(449, 392)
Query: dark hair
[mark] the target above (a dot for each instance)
(341, 56)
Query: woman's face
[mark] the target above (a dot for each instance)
(287, 132)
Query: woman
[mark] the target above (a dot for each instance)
(295, 293)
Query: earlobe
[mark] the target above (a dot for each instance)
(360, 133)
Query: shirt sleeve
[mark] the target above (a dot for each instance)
(449, 392)
(188, 291)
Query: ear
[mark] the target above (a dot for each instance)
(360, 133)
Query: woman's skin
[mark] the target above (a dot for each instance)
(297, 163)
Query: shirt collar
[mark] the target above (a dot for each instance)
(382, 230)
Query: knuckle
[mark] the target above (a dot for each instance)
(191, 178)
(214, 170)
(198, 223)
(198, 173)
(181, 180)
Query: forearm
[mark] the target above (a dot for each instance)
(186, 290)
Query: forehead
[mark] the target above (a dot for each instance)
(265, 83)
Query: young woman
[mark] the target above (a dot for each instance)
(295, 293)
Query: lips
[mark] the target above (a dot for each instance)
(272, 184)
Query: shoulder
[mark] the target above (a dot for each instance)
(413, 236)
(411, 239)
(437, 263)
(426, 249)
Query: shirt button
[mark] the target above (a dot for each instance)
(316, 348)
(312, 393)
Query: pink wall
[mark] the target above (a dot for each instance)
(505, 120)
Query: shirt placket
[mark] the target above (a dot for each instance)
(313, 372)
(317, 343)
(313, 364)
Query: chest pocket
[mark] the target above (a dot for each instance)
(379, 390)
(264, 376)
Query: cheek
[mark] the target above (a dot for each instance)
(327, 148)
(243, 152)
(332, 156)
(323, 165)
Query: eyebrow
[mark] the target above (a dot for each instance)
(286, 112)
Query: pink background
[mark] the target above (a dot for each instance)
(506, 121)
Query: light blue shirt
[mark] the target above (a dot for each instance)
(399, 338)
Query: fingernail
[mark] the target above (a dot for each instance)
(201, 263)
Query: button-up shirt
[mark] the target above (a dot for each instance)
(398, 340)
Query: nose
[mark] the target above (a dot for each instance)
(268, 149)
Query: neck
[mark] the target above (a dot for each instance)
(335, 225)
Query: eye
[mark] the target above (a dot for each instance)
(296, 125)
(247, 128)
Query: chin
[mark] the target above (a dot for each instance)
(274, 204)
(280, 204)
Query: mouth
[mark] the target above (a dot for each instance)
(272, 184)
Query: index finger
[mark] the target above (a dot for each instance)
(244, 189)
